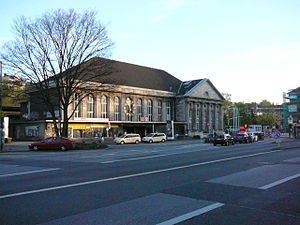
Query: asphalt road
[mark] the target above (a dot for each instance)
(183, 182)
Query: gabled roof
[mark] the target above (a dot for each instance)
(186, 86)
(135, 76)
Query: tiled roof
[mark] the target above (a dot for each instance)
(134, 75)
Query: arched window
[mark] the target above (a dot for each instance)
(139, 109)
(103, 107)
(129, 108)
(117, 108)
(150, 110)
(77, 106)
(159, 110)
(91, 107)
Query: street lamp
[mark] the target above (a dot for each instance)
(1, 116)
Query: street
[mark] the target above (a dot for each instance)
(184, 182)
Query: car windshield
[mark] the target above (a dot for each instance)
(220, 136)
(150, 135)
(123, 135)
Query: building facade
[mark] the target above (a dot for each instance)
(137, 100)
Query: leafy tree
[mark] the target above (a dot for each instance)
(265, 103)
(13, 93)
(53, 53)
(227, 108)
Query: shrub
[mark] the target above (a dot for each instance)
(89, 146)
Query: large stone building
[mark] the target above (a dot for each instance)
(137, 99)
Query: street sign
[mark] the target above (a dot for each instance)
(290, 120)
(277, 133)
(293, 96)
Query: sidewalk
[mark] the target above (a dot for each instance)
(19, 146)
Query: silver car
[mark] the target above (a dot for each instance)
(128, 138)
(155, 137)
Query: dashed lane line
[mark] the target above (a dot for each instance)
(27, 172)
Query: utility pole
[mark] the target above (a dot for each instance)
(1, 114)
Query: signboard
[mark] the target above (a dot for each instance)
(290, 120)
(293, 96)
(292, 108)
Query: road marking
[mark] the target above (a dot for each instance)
(280, 181)
(27, 172)
(191, 214)
(133, 175)
(132, 159)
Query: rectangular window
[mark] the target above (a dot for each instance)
(90, 112)
(159, 110)
(168, 108)
(104, 107)
(117, 109)
(150, 110)
(139, 109)
(77, 106)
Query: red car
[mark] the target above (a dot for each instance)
(53, 143)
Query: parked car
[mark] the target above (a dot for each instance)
(260, 135)
(224, 139)
(155, 137)
(252, 136)
(53, 143)
(128, 138)
(242, 138)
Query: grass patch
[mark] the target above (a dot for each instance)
(90, 146)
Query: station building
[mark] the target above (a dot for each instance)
(137, 99)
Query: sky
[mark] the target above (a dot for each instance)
(247, 48)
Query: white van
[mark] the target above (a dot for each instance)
(128, 138)
(155, 137)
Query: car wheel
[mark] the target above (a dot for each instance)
(63, 148)
(226, 143)
(232, 143)
(150, 141)
(122, 142)
(163, 140)
(35, 148)
(215, 144)
(137, 142)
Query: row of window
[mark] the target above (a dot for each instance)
(129, 108)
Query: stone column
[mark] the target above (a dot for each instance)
(216, 117)
(209, 116)
(221, 116)
(203, 116)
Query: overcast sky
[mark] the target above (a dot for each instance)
(248, 48)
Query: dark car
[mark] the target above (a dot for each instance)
(260, 135)
(225, 139)
(242, 138)
(53, 143)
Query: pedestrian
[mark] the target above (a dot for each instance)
(101, 138)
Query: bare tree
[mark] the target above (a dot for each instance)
(55, 53)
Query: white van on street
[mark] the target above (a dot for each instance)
(128, 138)
(155, 137)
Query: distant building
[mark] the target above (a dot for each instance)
(292, 111)
(137, 99)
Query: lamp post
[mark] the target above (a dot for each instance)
(1, 114)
